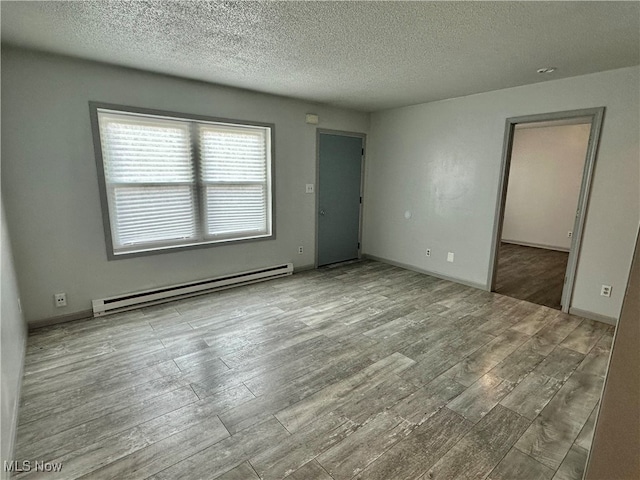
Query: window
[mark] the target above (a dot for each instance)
(170, 181)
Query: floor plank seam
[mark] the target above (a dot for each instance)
(225, 363)
(325, 471)
(253, 468)
(283, 426)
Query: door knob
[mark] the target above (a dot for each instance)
(322, 212)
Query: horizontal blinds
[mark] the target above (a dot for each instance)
(237, 209)
(150, 179)
(155, 198)
(141, 150)
(233, 154)
(154, 214)
(234, 169)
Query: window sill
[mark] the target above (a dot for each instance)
(144, 251)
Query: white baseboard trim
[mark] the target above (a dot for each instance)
(536, 245)
(406, 266)
(70, 317)
(593, 316)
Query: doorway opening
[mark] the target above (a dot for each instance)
(548, 161)
(340, 163)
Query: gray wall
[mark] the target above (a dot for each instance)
(441, 161)
(51, 189)
(544, 184)
(13, 335)
(616, 440)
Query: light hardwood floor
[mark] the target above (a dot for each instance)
(361, 371)
(532, 274)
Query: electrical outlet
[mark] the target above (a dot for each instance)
(300, 250)
(60, 299)
(569, 234)
(309, 188)
(605, 291)
(450, 257)
(428, 252)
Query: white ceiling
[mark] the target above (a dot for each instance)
(363, 55)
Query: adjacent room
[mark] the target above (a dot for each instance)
(541, 209)
(320, 240)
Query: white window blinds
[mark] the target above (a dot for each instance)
(234, 175)
(172, 182)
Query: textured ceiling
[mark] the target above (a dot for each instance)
(364, 55)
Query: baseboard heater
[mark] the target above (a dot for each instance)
(131, 301)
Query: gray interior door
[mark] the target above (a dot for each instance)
(340, 169)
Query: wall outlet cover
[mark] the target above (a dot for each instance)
(309, 188)
(60, 299)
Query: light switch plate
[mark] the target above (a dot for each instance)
(450, 257)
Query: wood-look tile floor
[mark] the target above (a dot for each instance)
(362, 371)
(532, 274)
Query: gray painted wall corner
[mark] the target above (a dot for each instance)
(13, 338)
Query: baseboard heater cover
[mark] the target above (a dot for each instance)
(131, 301)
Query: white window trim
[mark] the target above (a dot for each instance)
(206, 241)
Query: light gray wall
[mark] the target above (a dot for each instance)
(13, 335)
(51, 188)
(441, 161)
(616, 440)
(544, 184)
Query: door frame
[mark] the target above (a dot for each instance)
(597, 116)
(363, 136)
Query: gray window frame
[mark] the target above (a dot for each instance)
(168, 248)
